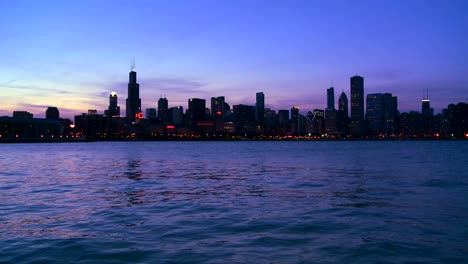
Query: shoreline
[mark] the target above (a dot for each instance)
(77, 140)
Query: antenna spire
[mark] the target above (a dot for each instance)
(132, 67)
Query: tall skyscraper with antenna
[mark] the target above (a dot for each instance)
(133, 99)
(331, 98)
(426, 109)
(163, 106)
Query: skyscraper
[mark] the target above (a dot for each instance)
(163, 106)
(381, 113)
(343, 104)
(426, 109)
(342, 118)
(195, 112)
(357, 105)
(175, 115)
(260, 109)
(133, 100)
(218, 111)
(114, 109)
(283, 121)
(375, 114)
(217, 106)
(331, 98)
(391, 113)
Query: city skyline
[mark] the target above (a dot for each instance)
(291, 52)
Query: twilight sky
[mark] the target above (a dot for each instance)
(72, 54)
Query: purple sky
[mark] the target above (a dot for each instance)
(72, 54)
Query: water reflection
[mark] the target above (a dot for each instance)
(134, 171)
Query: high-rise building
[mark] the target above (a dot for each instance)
(343, 104)
(426, 109)
(331, 98)
(375, 114)
(283, 121)
(133, 100)
(52, 113)
(218, 112)
(163, 106)
(218, 106)
(427, 114)
(391, 113)
(244, 118)
(175, 115)
(357, 105)
(114, 109)
(260, 109)
(295, 120)
(331, 121)
(271, 120)
(195, 112)
(318, 121)
(381, 113)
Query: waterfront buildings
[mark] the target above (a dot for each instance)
(382, 119)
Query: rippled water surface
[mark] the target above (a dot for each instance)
(241, 202)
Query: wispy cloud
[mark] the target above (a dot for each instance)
(33, 88)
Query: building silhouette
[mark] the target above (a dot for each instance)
(331, 118)
(283, 121)
(318, 120)
(331, 98)
(218, 106)
(218, 112)
(381, 113)
(133, 99)
(343, 104)
(391, 114)
(244, 119)
(114, 109)
(195, 112)
(163, 106)
(375, 113)
(52, 113)
(295, 120)
(260, 109)
(342, 118)
(426, 109)
(357, 105)
(22, 114)
(176, 115)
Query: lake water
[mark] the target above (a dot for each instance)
(235, 202)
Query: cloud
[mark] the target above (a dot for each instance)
(26, 105)
(34, 88)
